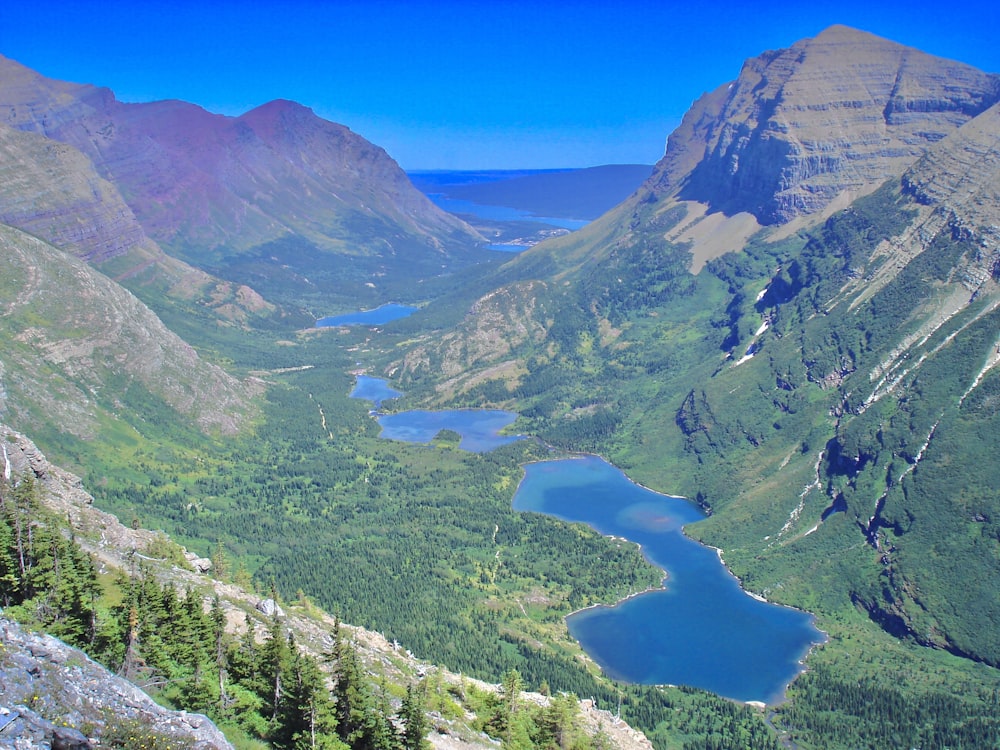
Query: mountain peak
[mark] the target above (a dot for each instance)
(838, 113)
(277, 108)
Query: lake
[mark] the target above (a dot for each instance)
(702, 629)
(461, 206)
(375, 390)
(478, 428)
(378, 316)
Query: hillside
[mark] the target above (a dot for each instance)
(58, 691)
(794, 321)
(219, 192)
(84, 357)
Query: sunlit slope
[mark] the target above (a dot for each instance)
(822, 378)
(79, 352)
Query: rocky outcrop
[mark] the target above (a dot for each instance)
(198, 181)
(961, 176)
(55, 696)
(839, 113)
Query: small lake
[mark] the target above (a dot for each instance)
(375, 390)
(478, 428)
(702, 629)
(377, 317)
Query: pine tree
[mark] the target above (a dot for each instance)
(414, 720)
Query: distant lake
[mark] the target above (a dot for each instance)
(703, 630)
(378, 316)
(500, 213)
(478, 428)
(375, 390)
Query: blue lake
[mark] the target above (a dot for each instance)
(378, 316)
(375, 390)
(702, 630)
(477, 427)
(500, 213)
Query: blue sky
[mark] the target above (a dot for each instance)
(461, 85)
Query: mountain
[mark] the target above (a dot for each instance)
(832, 115)
(79, 349)
(206, 187)
(52, 191)
(794, 320)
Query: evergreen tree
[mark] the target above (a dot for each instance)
(414, 720)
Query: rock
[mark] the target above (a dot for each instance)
(270, 608)
(56, 690)
(201, 564)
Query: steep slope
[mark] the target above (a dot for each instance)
(829, 389)
(840, 112)
(77, 347)
(200, 183)
(52, 191)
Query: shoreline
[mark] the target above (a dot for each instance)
(562, 454)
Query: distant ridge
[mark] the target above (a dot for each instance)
(198, 181)
(569, 194)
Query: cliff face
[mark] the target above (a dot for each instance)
(841, 112)
(197, 181)
(961, 175)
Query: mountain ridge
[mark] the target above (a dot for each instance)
(207, 187)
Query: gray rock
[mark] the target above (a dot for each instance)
(270, 608)
(56, 690)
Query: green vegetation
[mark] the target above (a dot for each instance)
(872, 507)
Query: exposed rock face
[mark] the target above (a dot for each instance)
(72, 339)
(197, 180)
(51, 190)
(56, 691)
(961, 176)
(841, 112)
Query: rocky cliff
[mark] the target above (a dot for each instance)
(838, 113)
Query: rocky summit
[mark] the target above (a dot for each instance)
(838, 113)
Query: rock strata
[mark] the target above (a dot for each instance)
(839, 113)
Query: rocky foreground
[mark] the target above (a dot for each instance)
(52, 695)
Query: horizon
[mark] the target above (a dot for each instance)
(457, 86)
